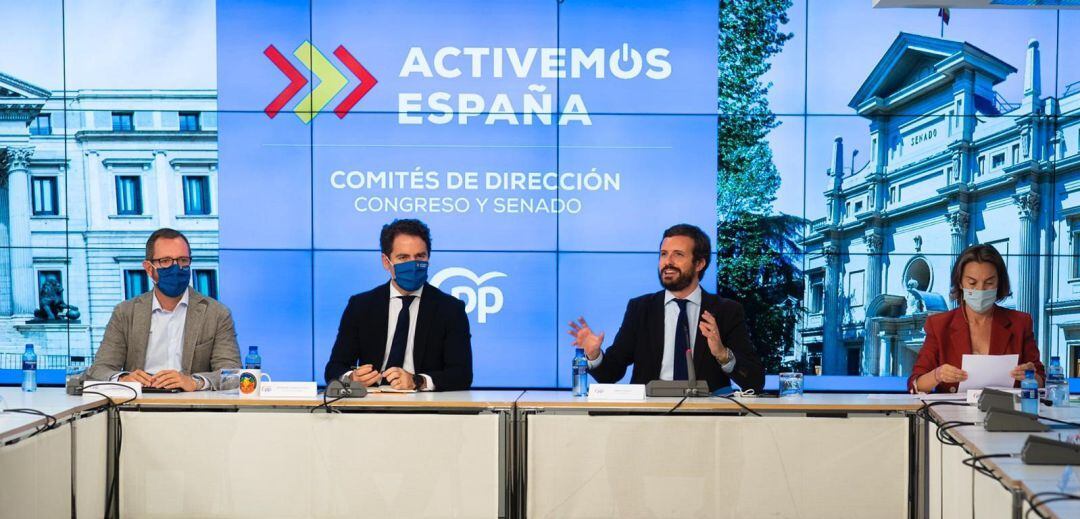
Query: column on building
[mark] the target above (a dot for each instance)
(1032, 79)
(24, 286)
(97, 194)
(879, 144)
(5, 239)
(876, 174)
(1033, 123)
(163, 176)
(1026, 282)
(872, 352)
(834, 356)
(962, 128)
(964, 105)
(1055, 135)
(874, 264)
(958, 231)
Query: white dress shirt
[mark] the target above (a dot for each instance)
(671, 322)
(391, 327)
(165, 346)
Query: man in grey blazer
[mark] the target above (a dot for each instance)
(170, 337)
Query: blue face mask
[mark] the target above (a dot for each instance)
(173, 281)
(410, 275)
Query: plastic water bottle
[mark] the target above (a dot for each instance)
(1057, 388)
(581, 373)
(1029, 393)
(253, 360)
(29, 367)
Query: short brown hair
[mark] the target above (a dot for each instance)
(409, 227)
(981, 253)
(163, 233)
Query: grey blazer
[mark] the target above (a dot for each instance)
(209, 339)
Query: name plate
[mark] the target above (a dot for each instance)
(113, 389)
(289, 390)
(620, 392)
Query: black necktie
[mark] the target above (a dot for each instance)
(682, 341)
(401, 335)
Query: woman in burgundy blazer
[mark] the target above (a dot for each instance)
(977, 326)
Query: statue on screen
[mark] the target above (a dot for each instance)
(914, 302)
(52, 306)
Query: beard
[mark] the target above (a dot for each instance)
(680, 282)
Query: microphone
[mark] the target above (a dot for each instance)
(73, 385)
(691, 373)
(692, 387)
(345, 389)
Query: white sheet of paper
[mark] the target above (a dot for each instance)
(988, 371)
(937, 397)
(891, 396)
(388, 389)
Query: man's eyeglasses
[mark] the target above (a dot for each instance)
(166, 262)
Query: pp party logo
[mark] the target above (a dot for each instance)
(331, 81)
(484, 299)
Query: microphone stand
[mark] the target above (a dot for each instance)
(691, 374)
(691, 387)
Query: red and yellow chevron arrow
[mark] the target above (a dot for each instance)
(367, 81)
(296, 81)
(331, 81)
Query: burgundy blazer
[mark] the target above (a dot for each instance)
(948, 340)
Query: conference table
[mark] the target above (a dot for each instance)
(1011, 487)
(503, 454)
(211, 454)
(51, 472)
(818, 455)
(499, 453)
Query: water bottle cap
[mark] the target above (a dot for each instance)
(252, 349)
(579, 351)
(30, 347)
(1029, 373)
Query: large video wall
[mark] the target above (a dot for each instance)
(547, 144)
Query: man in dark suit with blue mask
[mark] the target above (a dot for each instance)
(404, 333)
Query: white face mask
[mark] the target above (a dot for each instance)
(980, 300)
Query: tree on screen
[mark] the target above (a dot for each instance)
(757, 250)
